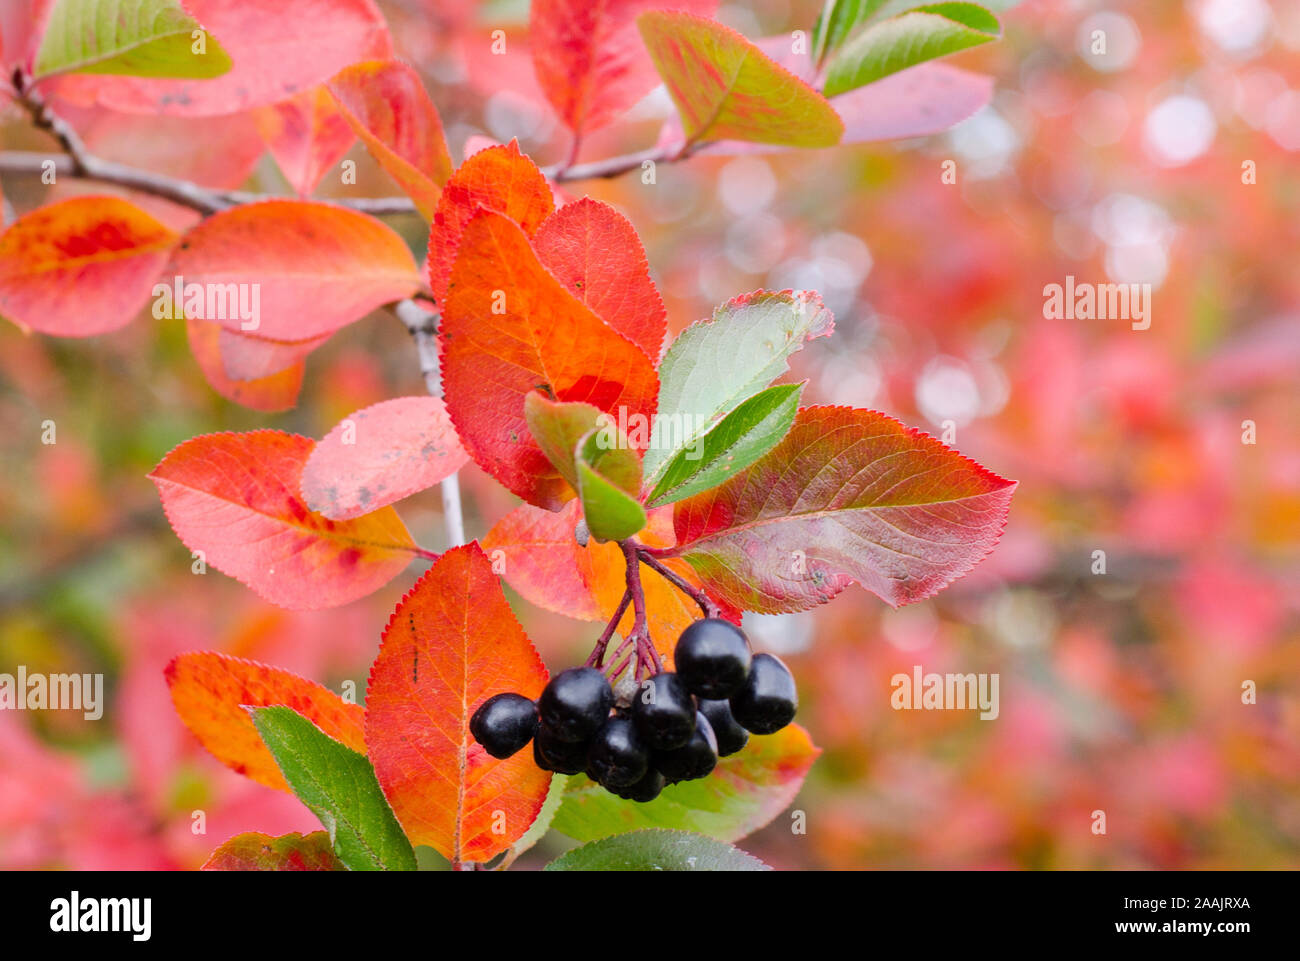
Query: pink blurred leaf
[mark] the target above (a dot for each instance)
(379, 455)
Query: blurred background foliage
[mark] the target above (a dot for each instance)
(1120, 692)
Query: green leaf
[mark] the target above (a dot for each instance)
(743, 436)
(542, 824)
(657, 851)
(339, 787)
(609, 478)
(139, 38)
(725, 88)
(557, 426)
(744, 792)
(716, 365)
(893, 8)
(836, 22)
(922, 34)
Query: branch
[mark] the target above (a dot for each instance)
(647, 557)
(423, 326)
(77, 162)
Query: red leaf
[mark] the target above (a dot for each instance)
(273, 392)
(589, 59)
(379, 455)
(543, 561)
(211, 690)
(81, 267)
(289, 852)
(235, 498)
(594, 251)
(386, 104)
(452, 643)
(848, 495)
(278, 47)
(307, 135)
(508, 326)
(498, 178)
(313, 267)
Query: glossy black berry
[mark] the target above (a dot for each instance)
(730, 735)
(768, 700)
(646, 789)
(664, 712)
(576, 704)
(562, 757)
(693, 760)
(504, 723)
(617, 757)
(712, 658)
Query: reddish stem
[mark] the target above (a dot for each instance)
(598, 652)
(697, 595)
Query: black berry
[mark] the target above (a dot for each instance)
(731, 736)
(576, 704)
(646, 789)
(664, 712)
(562, 757)
(695, 759)
(617, 758)
(712, 658)
(768, 700)
(504, 723)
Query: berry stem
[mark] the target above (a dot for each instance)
(598, 652)
(646, 655)
(667, 573)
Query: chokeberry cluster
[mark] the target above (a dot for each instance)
(674, 727)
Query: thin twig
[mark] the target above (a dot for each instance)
(640, 625)
(86, 166)
(598, 652)
(698, 596)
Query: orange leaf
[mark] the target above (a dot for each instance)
(274, 392)
(210, 691)
(81, 267)
(386, 104)
(234, 498)
(306, 134)
(452, 643)
(594, 251)
(497, 178)
(508, 327)
(311, 267)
